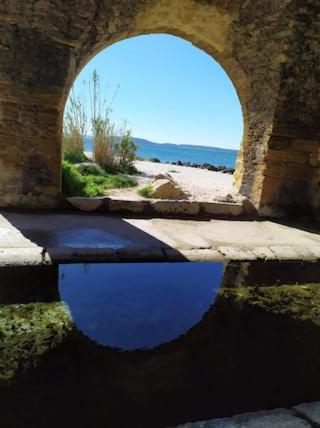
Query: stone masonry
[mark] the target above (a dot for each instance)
(270, 50)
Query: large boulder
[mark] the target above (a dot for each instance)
(166, 189)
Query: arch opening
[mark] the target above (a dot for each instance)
(168, 91)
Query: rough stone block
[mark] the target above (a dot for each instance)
(205, 255)
(264, 253)
(220, 208)
(86, 204)
(175, 207)
(285, 252)
(235, 253)
(125, 205)
(311, 411)
(279, 418)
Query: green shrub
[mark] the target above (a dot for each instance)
(91, 170)
(146, 191)
(120, 181)
(74, 124)
(75, 157)
(126, 150)
(121, 169)
(76, 184)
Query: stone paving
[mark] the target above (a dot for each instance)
(305, 415)
(37, 238)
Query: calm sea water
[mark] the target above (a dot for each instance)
(185, 153)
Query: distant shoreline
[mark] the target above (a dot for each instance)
(205, 165)
(205, 157)
(187, 146)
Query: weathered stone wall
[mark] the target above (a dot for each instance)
(270, 50)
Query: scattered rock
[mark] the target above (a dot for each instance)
(166, 189)
(228, 171)
(205, 165)
(165, 176)
(227, 198)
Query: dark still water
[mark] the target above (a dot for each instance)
(138, 306)
(155, 345)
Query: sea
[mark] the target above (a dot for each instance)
(168, 152)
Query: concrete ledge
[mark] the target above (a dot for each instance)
(115, 205)
(206, 255)
(174, 207)
(222, 208)
(157, 207)
(86, 204)
(60, 254)
(23, 257)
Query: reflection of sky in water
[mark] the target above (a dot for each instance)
(131, 306)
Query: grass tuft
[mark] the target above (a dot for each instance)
(76, 184)
(145, 191)
(75, 157)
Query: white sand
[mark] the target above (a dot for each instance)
(201, 184)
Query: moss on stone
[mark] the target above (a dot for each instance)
(27, 331)
(298, 302)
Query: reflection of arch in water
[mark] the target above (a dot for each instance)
(243, 355)
(132, 306)
(33, 304)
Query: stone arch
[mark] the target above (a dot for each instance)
(44, 45)
(181, 18)
(229, 64)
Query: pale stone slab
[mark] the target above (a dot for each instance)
(315, 249)
(220, 208)
(235, 253)
(206, 255)
(279, 418)
(24, 257)
(175, 207)
(305, 253)
(285, 252)
(264, 253)
(11, 238)
(86, 204)
(310, 410)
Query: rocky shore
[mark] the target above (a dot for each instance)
(208, 166)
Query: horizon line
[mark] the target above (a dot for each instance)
(180, 144)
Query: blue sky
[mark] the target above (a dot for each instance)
(169, 91)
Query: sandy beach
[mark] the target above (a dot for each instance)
(200, 184)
